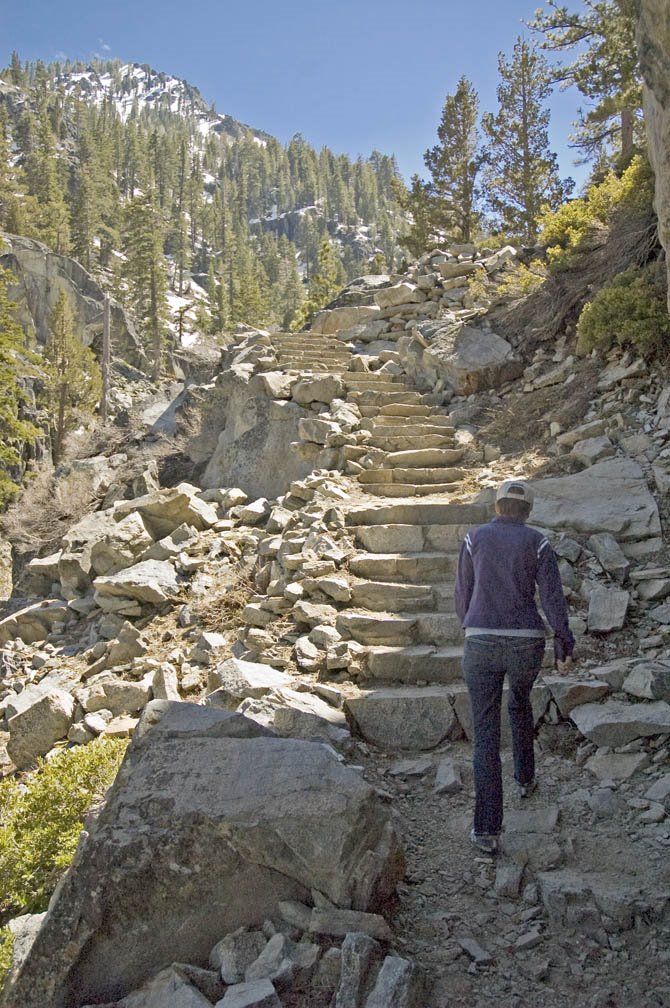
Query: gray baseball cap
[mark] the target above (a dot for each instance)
(515, 490)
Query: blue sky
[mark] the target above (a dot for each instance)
(354, 75)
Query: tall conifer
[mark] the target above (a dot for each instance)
(520, 171)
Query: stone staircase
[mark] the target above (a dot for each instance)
(402, 582)
(319, 354)
(401, 610)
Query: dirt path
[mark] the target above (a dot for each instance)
(454, 896)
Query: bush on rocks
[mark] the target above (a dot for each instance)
(630, 310)
(571, 229)
(41, 818)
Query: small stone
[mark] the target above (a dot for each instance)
(474, 950)
(529, 940)
(508, 880)
(448, 778)
(234, 953)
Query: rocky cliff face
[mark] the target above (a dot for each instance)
(653, 39)
(40, 277)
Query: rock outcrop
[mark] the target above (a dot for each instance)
(212, 822)
(40, 277)
(653, 40)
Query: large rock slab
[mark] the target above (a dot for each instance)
(331, 321)
(615, 723)
(74, 564)
(611, 496)
(171, 987)
(649, 680)
(234, 680)
(43, 718)
(34, 623)
(210, 823)
(410, 718)
(570, 693)
(107, 691)
(317, 388)
(164, 510)
(245, 437)
(121, 546)
(607, 609)
(152, 581)
(470, 359)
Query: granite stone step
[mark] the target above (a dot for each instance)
(369, 397)
(401, 629)
(421, 663)
(410, 568)
(412, 430)
(387, 596)
(410, 538)
(417, 513)
(424, 457)
(418, 475)
(381, 421)
(403, 442)
(410, 489)
(400, 409)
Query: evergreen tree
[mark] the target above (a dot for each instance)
(420, 205)
(15, 362)
(454, 162)
(323, 286)
(520, 172)
(45, 172)
(75, 382)
(290, 292)
(605, 69)
(145, 272)
(18, 211)
(181, 243)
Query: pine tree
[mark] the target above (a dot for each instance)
(75, 381)
(15, 362)
(18, 211)
(45, 172)
(180, 237)
(520, 172)
(323, 286)
(145, 272)
(454, 163)
(420, 205)
(605, 69)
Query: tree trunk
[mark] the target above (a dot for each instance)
(60, 423)
(627, 124)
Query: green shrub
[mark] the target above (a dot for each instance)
(516, 282)
(41, 817)
(631, 310)
(6, 949)
(522, 280)
(571, 229)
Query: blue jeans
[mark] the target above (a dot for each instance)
(486, 661)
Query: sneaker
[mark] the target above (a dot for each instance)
(526, 789)
(487, 842)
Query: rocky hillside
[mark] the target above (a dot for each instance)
(290, 825)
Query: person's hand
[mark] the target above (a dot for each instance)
(565, 667)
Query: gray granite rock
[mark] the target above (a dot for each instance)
(404, 718)
(293, 819)
(615, 723)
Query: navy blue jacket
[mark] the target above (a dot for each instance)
(499, 566)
